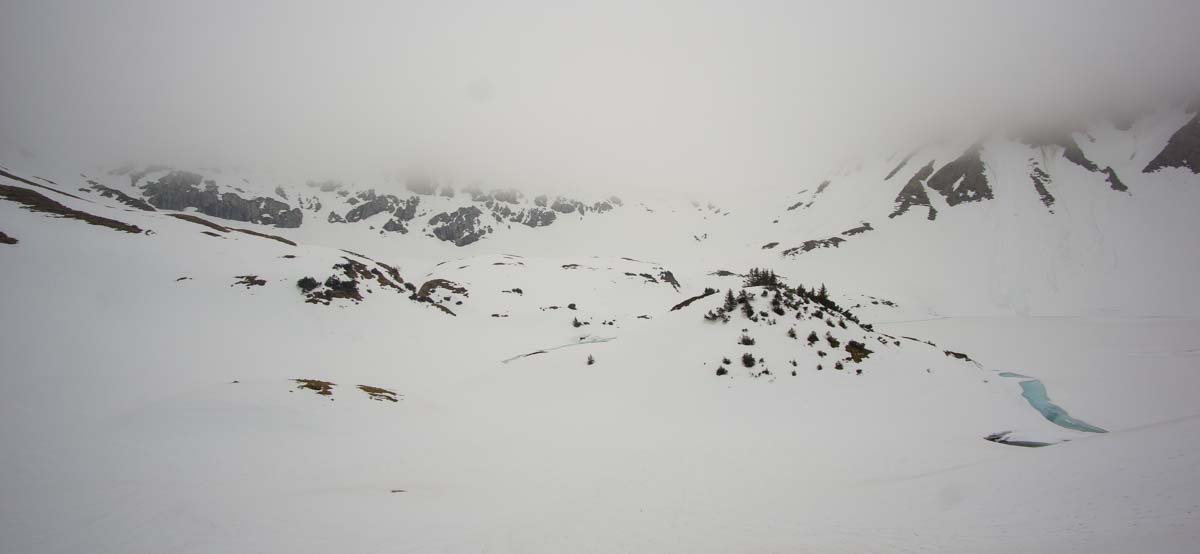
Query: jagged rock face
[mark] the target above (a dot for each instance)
(567, 206)
(1183, 150)
(962, 180)
(538, 217)
(368, 209)
(913, 194)
(180, 190)
(461, 227)
(401, 210)
(395, 225)
(1114, 182)
(335, 218)
(502, 212)
(377, 205)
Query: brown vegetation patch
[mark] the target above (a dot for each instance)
(265, 236)
(5, 239)
(249, 281)
(323, 388)
(201, 221)
(36, 202)
(858, 351)
(959, 355)
(33, 184)
(379, 394)
(427, 290)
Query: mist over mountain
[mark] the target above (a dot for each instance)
(676, 96)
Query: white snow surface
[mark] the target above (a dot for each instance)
(144, 413)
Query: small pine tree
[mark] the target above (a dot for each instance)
(746, 340)
(575, 322)
(748, 310)
(822, 293)
(730, 301)
(748, 360)
(813, 338)
(838, 365)
(591, 360)
(721, 371)
(307, 284)
(791, 333)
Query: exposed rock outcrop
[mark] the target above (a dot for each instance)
(913, 194)
(461, 227)
(1114, 182)
(180, 190)
(562, 205)
(810, 245)
(866, 226)
(405, 210)
(537, 217)
(962, 180)
(1040, 178)
(1183, 150)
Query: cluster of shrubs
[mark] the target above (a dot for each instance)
(308, 284)
(758, 277)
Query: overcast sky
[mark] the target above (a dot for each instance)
(661, 94)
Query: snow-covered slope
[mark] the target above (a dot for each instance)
(209, 372)
(1020, 225)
